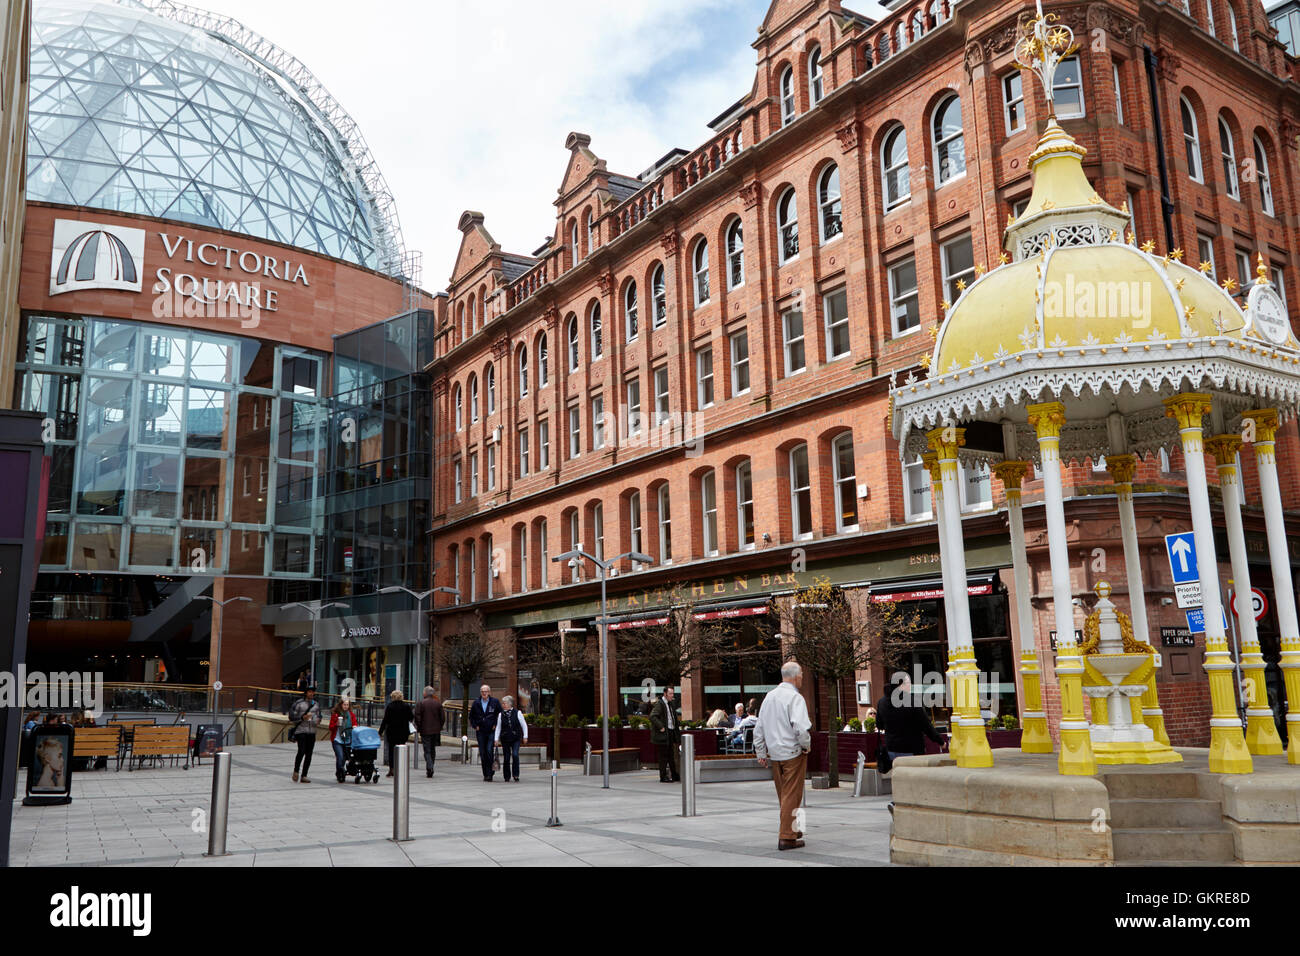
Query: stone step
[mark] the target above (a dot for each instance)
(1150, 784)
(1143, 812)
(1163, 863)
(1188, 843)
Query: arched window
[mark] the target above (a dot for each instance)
(665, 525)
(659, 291)
(591, 233)
(490, 378)
(744, 505)
(735, 254)
(1265, 181)
(573, 243)
(573, 343)
(900, 37)
(787, 226)
(936, 12)
(630, 322)
(893, 160)
(846, 493)
(1229, 155)
(543, 550)
(800, 493)
(918, 25)
(816, 84)
(709, 513)
(787, 96)
(597, 335)
(473, 398)
(1209, 17)
(828, 199)
(700, 265)
(949, 141)
(543, 362)
(521, 359)
(460, 315)
(1191, 139)
(473, 314)
(1232, 28)
(460, 408)
(634, 526)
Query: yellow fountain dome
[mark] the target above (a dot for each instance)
(1075, 282)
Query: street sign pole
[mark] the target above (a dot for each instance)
(1236, 654)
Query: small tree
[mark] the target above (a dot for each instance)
(665, 653)
(834, 641)
(468, 656)
(557, 663)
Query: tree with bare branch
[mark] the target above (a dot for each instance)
(558, 663)
(834, 640)
(665, 653)
(468, 656)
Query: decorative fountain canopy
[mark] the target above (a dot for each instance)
(1077, 311)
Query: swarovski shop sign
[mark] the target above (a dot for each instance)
(367, 630)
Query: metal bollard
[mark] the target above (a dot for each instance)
(858, 770)
(401, 795)
(464, 750)
(586, 761)
(554, 821)
(688, 775)
(217, 814)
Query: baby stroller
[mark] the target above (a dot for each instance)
(362, 755)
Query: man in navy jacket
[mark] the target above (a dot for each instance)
(483, 714)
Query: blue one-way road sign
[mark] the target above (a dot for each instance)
(1181, 550)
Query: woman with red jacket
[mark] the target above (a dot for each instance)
(342, 720)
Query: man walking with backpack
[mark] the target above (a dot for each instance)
(428, 723)
(305, 714)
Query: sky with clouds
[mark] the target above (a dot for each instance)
(466, 105)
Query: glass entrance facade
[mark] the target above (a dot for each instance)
(175, 450)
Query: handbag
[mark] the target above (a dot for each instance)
(884, 762)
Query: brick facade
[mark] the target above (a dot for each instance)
(502, 305)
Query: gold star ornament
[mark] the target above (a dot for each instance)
(1206, 267)
(1149, 246)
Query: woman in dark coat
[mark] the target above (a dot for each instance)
(395, 728)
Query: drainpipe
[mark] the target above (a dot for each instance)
(1166, 202)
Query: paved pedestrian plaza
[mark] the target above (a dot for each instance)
(155, 817)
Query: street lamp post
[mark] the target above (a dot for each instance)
(603, 568)
(420, 598)
(216, 658)
(314, 608)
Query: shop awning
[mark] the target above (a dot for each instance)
(928, 589)
(628, 621)
(729, 609)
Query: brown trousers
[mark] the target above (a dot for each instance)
(788, 776)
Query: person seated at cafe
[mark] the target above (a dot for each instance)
(739, 726)
(718, 719)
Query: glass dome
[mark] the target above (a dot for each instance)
(154, 108)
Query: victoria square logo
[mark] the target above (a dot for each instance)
(95, 256)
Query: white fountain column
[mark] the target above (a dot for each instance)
(1228, 753)
(1265, 427)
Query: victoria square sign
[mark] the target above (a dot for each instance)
(201, 278)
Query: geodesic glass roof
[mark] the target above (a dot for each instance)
(138, 113)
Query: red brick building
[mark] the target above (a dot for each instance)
(696, 365)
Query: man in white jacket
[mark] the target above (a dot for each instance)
(781, 735)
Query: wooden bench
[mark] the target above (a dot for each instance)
(159, 743)
(94, 742)
(621, 759)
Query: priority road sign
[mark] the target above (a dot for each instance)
(1181, 551)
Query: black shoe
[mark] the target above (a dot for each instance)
(428, 773)
(390, 773)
